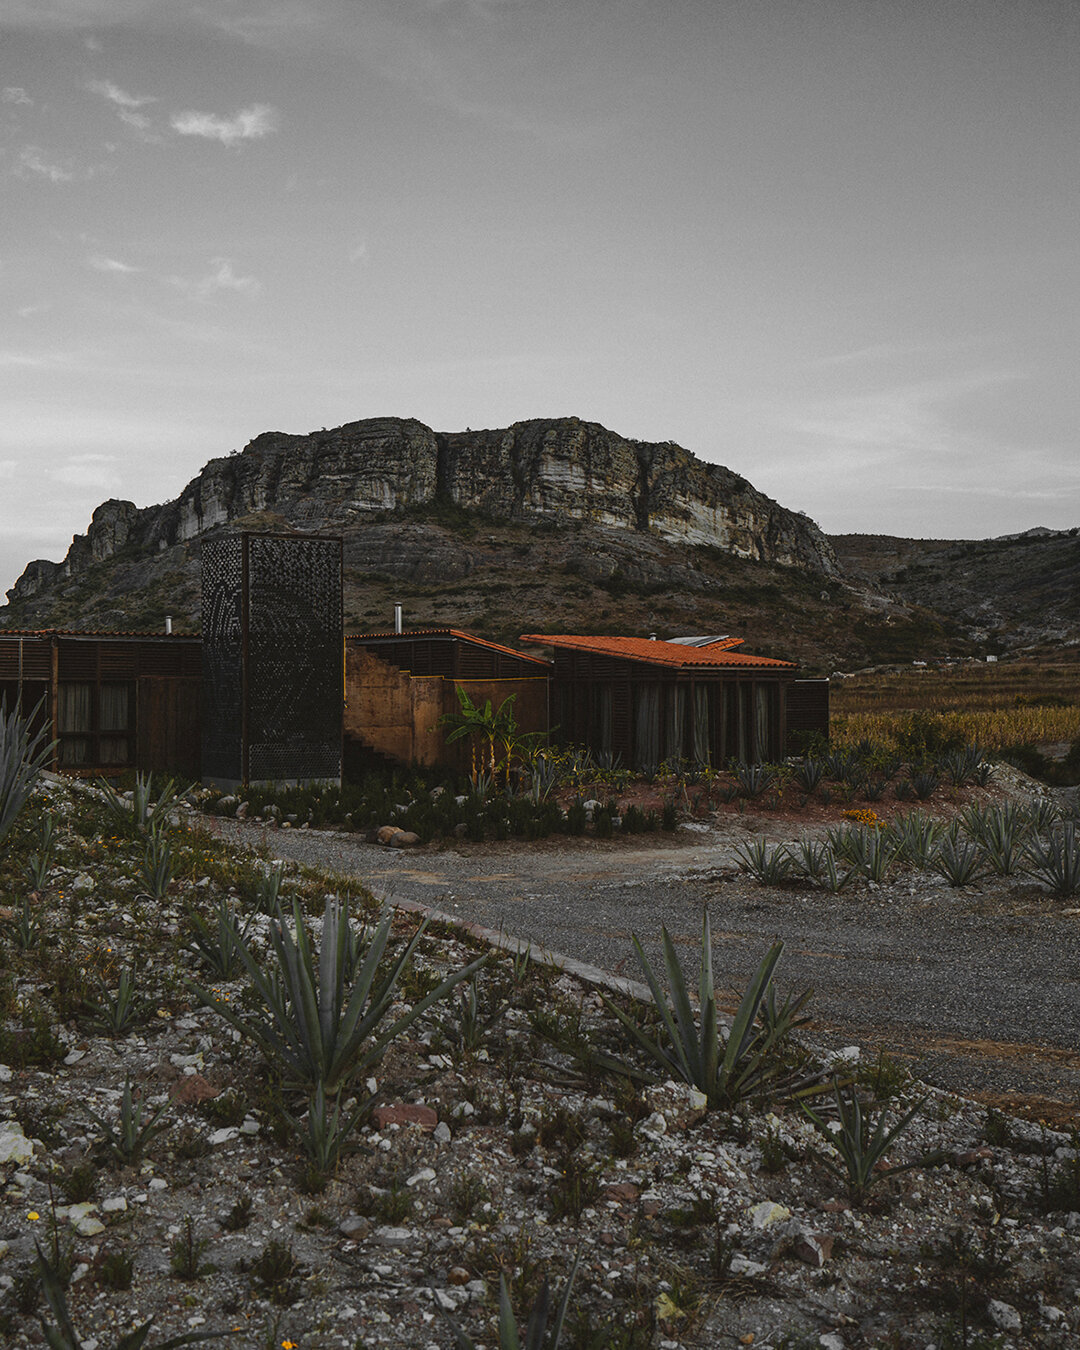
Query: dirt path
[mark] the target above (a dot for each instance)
(977, 990)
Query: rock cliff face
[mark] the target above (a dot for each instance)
(333, 480)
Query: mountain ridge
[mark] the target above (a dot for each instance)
(561, 521)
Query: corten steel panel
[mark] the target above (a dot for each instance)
(807, 712)
(222, 658)
(294, 658)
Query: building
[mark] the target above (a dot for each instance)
(110, 701)
(398, 686)
(701, 701)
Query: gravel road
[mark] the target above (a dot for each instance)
(977, 990)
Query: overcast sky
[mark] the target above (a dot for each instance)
(832, 244)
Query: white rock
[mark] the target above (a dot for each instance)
(74, 1056)
(115, 1204)
(222, 1136)
(1004, 1315)
(89, 1226)
(450, 1300)
(83, 882)
(742, 1265)
(394, 1237)
(830, 1341)
(159, 1184)
(441, 1133)
(5, 1074)
(767, 1212)
(14, 1145)
(250, 1126)
(425, 1174)
(656, 1123)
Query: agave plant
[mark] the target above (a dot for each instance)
(537, 1336)
(323, 1134)
(960, 862)
(754, 779)
(63, 1336)
(135, 1130)
(217, 944)
(862, 1142)
(809, 773)
(158, 864)
(963, 766)
(1000, 831)
(143, 812)
(809, 856)
(40, 863)
(23, 755)
(321, 1016)
(872, 853)
(1055, 860)
(750, 1063)
(768, 865)
(915, 836)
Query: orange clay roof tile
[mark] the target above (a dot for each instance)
(655, 652)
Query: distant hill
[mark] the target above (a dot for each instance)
(548, 524)
(1019, 591)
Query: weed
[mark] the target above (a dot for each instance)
(80, 1184)
(186, 1252)
(467, 1194)
(63, 1336)
(535, 1337)
(277, 1272)
(239, 1216)
(576, 1188)
(115, 1269)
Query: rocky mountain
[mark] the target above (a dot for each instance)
(565, 469)
(556, 525)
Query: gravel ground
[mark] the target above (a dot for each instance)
(689, 1229)
(977, 990)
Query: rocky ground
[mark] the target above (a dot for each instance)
(498, 1145)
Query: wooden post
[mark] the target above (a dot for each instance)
(54, 701)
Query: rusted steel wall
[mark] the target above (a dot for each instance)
(398, 714)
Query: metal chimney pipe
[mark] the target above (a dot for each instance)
(168, 623)
(397, 618)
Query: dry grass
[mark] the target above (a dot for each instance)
(996, 706)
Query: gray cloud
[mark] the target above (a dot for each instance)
(249, 124)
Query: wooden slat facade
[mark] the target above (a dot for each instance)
(718, 713)
(111, 701)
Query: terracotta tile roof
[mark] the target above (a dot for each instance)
(655, 652)
(446, 633)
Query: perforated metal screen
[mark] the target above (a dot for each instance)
(272, 658)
